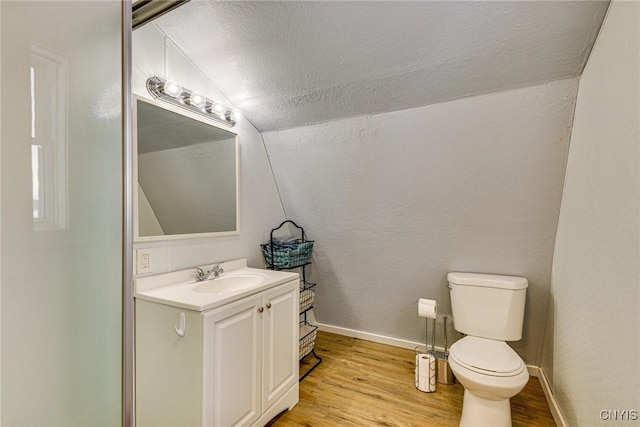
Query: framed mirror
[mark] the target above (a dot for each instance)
(186, 170)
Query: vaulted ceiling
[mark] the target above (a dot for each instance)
(290, 64)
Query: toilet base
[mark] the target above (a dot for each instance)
(480, 412)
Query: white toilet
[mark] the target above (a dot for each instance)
(489, 310)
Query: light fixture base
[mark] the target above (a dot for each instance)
(208, 109)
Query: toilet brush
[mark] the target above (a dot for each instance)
(444, 373)
(446, 346)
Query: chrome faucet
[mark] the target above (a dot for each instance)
(216, 271)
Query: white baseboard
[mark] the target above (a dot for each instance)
(551, 400)
(396, 342)
(368, 336)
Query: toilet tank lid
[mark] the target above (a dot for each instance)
(488, 280)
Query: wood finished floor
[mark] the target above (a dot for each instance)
(361, 383)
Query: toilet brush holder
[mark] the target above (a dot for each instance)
(444, 374)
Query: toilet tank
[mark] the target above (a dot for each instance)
(488, 305)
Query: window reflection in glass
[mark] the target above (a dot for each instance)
(48, 139)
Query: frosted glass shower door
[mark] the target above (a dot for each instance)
(61, 213)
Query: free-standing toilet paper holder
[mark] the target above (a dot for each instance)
(425, 378)
(439, 370)
(444, 374)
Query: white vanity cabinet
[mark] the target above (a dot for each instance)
(236, 365)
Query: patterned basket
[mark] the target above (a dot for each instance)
(307, 295)
(307, 339)
(289, 255)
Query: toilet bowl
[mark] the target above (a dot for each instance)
(491, 374)
(489, 309)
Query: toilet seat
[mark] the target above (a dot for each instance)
(486, 356)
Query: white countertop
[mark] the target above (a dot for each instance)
(177, 288)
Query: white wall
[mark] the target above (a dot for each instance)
(260, 207)
(596, 278)
(397, 200)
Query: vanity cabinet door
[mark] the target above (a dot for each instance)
(168, 366)
(231, 363)
(280, 341)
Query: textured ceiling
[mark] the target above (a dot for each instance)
(290, 64)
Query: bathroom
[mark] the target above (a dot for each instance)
(528, 170)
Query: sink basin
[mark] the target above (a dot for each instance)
(231, 283)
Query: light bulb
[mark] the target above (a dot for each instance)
(172, 88)
(197, 100)
(219, 109)
(235, 115)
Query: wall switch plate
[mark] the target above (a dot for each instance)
(143, 261)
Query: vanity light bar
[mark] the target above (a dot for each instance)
(172, 92)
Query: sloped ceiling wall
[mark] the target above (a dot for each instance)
(397, 200)
(596, 269)
(291, 64)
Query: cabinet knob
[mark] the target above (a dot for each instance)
(268, 305)
(260, 309)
